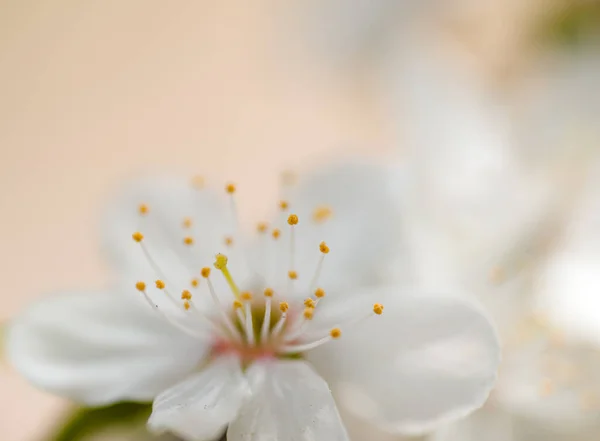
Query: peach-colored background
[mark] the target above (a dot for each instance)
(93, 92)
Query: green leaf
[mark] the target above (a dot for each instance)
(85, 423)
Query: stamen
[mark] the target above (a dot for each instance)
(186, 295)
(308, 313)
(228, 241)
(247, 298)
(221, 265)
(324, 249)
(322, 213)
(267, 317)
(188, 240)
(198, 182)
(141, 286)
(283, 307)
(262, 227)
(319, 293)
(276, 233)
(222, 312)
(237, 307)
(284, 205)
(195, 282)
(187, 222)
(309, 303)
(292, 274)
(291, 349)
(160, 284)
(137, 236)
(143, 209)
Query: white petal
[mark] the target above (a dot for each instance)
(99, 347)
(201, 407)
(426, 360)
(360, 231)
(289, 402)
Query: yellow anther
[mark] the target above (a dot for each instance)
(262, 227)
(137, 236)
(186, 295)
(284, 205)
(221, 265)
(323, 248)
(378, 308)
(319, 293)
(246, 296)
(186, 305)
(309, 303)
(292, 275)
(188, 240)
(160, 284)
(195, 282)
(276, 233)
(228, 241)
(284, 306)
(308, 313)
(268, 292)
(322, 213)
(205, 272)
(143, 209)
(293, 219)
(140, 286)
(220, 261)
(335, 333)
(237, 304)
(230, 188)
(187, 222)
(198, 182)
(546, 388)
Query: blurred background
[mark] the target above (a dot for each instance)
(488, 111)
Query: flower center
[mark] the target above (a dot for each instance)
(256, 324)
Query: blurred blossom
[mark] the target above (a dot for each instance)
(251, 367)
(500, 196)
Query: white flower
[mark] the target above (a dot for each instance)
(257, 368)
(547, 389)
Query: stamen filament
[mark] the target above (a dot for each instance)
(291, 349)
(221, 265)
(185, 329)
(315, 279)
(264, 333)
(249, 324)
(224, 316)
(279, 325)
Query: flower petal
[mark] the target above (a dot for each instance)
(201, 407)
(426, 360)
(290, 401)
(349, 208)
(99, 348)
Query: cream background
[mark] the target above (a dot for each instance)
(94, 92)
